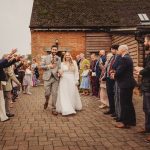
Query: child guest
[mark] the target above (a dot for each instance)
(27, 80)
(85, 81)
(15, 87)
(35, 70)
(15, 90)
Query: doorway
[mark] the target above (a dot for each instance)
(61, 54)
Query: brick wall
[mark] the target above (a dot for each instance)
(68, 41)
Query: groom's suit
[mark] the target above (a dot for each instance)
(50, 77)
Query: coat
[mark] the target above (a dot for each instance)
(124, 73)
(11, 77)
(146, 75)
(48, 72)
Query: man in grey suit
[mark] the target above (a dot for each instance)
(51, 65)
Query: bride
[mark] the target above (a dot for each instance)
(68, 99)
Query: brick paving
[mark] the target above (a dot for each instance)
(33, 128)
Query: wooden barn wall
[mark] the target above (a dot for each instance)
(132, 44)
(141, 54)
(97, 41)
(133, 47)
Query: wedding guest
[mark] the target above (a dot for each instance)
(103, 91)
(21, 74)
(85, 81)
(83, 62)
(114, 102)
(145, 73)
(94, 79)
(15, 87)
(110, 84)
(35, 70)
(126, 83)
(14, 91)
(102, 56)
(99, 66)
(27, 80)
(3, 116)
(4, 63)
(78, 59)
(7, 88)
(116, 87)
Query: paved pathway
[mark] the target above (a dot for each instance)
(33, 128)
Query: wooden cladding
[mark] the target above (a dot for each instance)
(141, 54)
(132, 44)
(133, 48)
(97, 41)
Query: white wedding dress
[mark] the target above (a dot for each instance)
(68, 99)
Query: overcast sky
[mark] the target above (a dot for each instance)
(14, 25)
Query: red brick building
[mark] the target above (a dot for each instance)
(88, 26)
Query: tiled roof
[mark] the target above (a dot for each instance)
(87, 13)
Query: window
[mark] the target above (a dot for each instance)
(143, 17)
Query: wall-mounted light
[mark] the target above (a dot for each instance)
(57, 42)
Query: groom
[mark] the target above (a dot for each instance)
(51, 64)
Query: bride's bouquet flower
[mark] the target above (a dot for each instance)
(54, 60)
